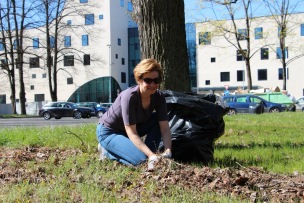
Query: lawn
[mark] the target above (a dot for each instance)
(253, 161)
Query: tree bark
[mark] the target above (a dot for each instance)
(162, 35)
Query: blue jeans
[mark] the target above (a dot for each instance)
(120, 148)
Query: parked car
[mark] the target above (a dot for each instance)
(97, 109)
(106, 105)
(246, 103)
(64, 109)
(300, 104)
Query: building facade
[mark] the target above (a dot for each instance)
(220, 65)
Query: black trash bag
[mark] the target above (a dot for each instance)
(195, 121)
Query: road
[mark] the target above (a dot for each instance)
(39, 121)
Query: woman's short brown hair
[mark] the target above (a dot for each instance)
(147, 66)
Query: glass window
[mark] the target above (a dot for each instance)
(207, 82)
(240, 75)
(68, 61)
(69, 22)
(280, 74)
(44, 75)
(39, 97)
(85, 40)
(32, 87)
(2, 99)
(258, 33)
(100, 17)
(69, 81)
(264, 53)
(242, 99)
(86, 59)
(33, 76)
(239, 56)
(130, 7)
(35, 43)
(225, 76)
(262, 74)
(34, 62)
(15, 44)
(4, 64)
(123, 77)
(89, 19)
(119, 41)
(279, 53)
(122, 3)
(83, 1)
(52, 41)
(67, 41)
(302, 29)
(212, 59)
(205, 38)
(1, 45)
(242, 34)
(122, 61)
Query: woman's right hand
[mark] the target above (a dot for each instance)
(152, 161)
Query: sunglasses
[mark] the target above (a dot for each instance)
(150, 80)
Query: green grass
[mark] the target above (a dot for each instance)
(271, 141)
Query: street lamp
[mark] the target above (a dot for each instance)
(110, 77)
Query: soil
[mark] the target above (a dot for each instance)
(249, 183)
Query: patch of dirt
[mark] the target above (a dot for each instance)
(246, 183)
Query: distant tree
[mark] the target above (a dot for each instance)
(162, 35)
(280, 11)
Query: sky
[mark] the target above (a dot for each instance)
(195, 13)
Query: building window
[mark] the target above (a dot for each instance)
(35, 43)
(207, 82)
(32, 87)
(122, 61)
(39, 97)
(258, 33)
(34, 62)
(262, 74)
(122, 3)
(33, 76)
(2, 99)
(83, 1)
(123, 77)
(86, 59)
(1, 45)
(130, 7)
(264, 53)
(225, 76)
(212, 59)
(15, 44)
(279, 53)
(69, 81)
(242, 34)
(119, 41)
(239, 56)
(89, 19)
(44, 75)
(240, 75)
(100, 17)
(116, 56)
(67, 41)
(68, 61)
(69, 22)
(204, 38)
(85, 40)
(52, 41)
(4, 64)
(302, 29)
(280, 74)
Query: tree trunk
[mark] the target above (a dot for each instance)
(162, 35)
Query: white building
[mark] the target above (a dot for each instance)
(94, 46)
(219, 65)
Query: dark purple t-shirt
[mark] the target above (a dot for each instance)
(127, 109)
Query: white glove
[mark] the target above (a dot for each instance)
(152, 162)
(167, 154)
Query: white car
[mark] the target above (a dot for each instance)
(300, 104)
